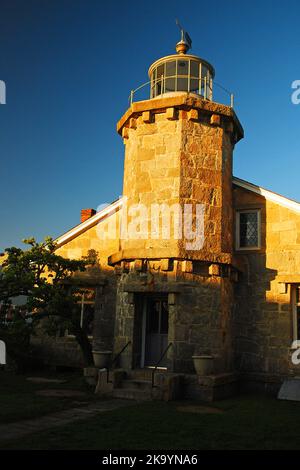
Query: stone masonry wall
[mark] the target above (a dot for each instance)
(263, 316)
(179, 151)
(200, 314)
(180, 155)
(152, 172)
(206, 177)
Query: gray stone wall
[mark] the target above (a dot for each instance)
(105, 312)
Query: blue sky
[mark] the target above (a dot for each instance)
(69, 66)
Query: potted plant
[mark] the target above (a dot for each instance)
(204, 364)
(101, 358)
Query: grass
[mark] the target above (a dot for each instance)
(18, 400)
(248, 422)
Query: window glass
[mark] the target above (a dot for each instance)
(158, 88)
(171, 68)
(202, 88)
(153, 83)
(209, 90)
(153, 317)
(248, 229)
(160, 70)
(154, 75)
(183, 67)
(170, 84)
(194, 68)
(182, 84)
(86, 310)
(89, 295)
(87, 318)
(164, 319)
(194, 85)
(204, 72)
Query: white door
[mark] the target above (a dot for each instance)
(156, 324)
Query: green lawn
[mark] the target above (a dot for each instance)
(18, 400)
(247, 422)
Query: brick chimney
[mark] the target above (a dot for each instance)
(86, 214)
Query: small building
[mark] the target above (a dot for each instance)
(192, 261)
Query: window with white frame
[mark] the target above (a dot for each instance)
(248, 230)
(86, 301)
(87, 311)
(296, 314)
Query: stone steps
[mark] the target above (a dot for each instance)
(136, 384)
(135, 388)
(140, 374)
(132, 394)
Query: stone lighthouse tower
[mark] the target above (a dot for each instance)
(175, 265)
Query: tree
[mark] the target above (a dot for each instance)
(45, 279)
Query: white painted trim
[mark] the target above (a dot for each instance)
(88, 223)
(269, 195)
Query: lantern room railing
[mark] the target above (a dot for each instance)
(204, 89)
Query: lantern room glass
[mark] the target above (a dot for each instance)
(181, 74)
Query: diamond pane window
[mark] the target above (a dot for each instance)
(248, 230)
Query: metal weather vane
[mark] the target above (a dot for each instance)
(185, 37)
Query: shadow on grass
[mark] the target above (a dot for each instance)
(248, 422)
(19, 400)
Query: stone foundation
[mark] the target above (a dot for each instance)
(210, 388)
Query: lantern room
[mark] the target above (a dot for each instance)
(181, 72)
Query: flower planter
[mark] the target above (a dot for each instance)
(204, 365)
(101, 358)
